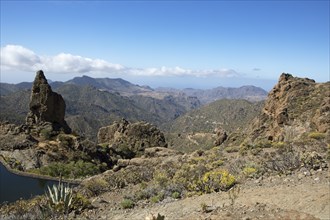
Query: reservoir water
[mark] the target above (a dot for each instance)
(14, 187)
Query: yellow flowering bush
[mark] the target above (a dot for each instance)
(217, 180)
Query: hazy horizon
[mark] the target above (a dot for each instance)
(154, 82)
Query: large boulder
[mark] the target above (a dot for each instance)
(46, 106)
(221, 136)
(129, 140)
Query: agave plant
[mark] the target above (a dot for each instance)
(59, 197)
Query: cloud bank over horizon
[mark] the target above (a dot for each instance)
(17, 57)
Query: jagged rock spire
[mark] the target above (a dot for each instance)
(46, 105)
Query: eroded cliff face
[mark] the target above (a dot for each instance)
(294, 106)
(46, 105)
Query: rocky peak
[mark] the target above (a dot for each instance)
(46, 106)
(130, 139)
(294, 106)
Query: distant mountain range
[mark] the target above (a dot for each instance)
(126, 88)
(95, 102)
(89, 108)
(118, 85)
(251, 93)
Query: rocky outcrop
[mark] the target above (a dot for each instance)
(294, 106)
(42, 141)
(221, 136)
(12, 138)
(129, 140)
(46, 106)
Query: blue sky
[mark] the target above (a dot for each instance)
(201, 44)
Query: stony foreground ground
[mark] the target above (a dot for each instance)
(286, 197)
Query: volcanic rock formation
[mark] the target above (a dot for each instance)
(46, 106)
(131, 139)
(294, 106)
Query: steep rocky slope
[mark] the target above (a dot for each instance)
(228, 114)
(295, 106)
(199, 129)
(15, 106)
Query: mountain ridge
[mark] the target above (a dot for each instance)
(126, 88)
(96, 102)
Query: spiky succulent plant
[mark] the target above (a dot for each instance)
(59, 197)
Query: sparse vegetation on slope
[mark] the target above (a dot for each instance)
(284, 147)
(197, 129)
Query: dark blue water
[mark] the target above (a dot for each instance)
(14, 187)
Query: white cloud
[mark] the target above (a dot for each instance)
(16, 57)
(68, 63)
(178, 71)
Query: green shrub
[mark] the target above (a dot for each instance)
(141, 195)
(82, 169)
(96, 186)
(197, 160)
(203, 175)
(69, 170)
(65, 140)
(204, 207)
(131, 175)
(125, 151)
(157, 198)
(232, 149)
(46, 133)
(160, 178)
(127, 204)
(217, 180)
(176, 195)
(80, 202)
(249, 171)
(154, 199)
(104, 145)
(53, 169)
(279, 144)
(243, 149)
(189, 176)
(317, 135)
(263, 144)
(217, 163)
